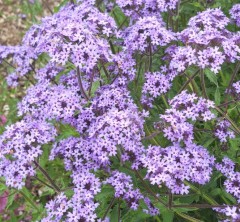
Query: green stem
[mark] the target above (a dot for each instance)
(29, 200)
(81, 85)
(229, 119)
(56, 188)
(203, 84)
(187, 217)
(165, 101)
(190, 79)
(41, 181)
(148, 188)
(109, 207)
(204, 196)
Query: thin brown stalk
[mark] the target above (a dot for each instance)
(81, 85)
(56, 188)
(109, 207)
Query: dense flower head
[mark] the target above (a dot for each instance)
(75, 34)
(236, 87)
(235, 13)
(76, 153)
(56, 208)
(181, 57)
(209, 19)
(212, 58)
(156, 84)
(222, 131)
(232, 213)
(48, 73)
(185, 107)
(172, 165)
(46, 101)
(145, 33)
(118, 128)
(226, 166)
(110, 96)
(85, 99)
(213, 44)
(123, 186)
(20, 145)
(22, 60)
(138, 8)
(206, 28)
(232, 183)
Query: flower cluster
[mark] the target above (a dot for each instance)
(45, 101)
(232, 212)
(185, 107)
(20, 145)
(87, 85)
(147, 33)
(235, 13)
(123, 186)
(207, 43)
(222, 131)
(135, 8)
(156, 84)
(232, 183)
(172, 165)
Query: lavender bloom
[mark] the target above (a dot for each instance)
(147, 32)
(212, 42)
(226, 167)
(233, 213)
(134, 8)
(56, 208)
(232, 183)
(235, 14)
(45, 101)
(156, 84)
(123, 187)
(182, 57)
(236, 87)
(222, 131)
(20, 145)
(185, 107)
(212, 58)
(172, 165)
(22, 57)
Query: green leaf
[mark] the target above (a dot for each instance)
(167, 215)
(29, 198)
(67, 131)
(208, 142)
(211, 76)
(216, 191)
(188, 218)
(217, 96)
(228, 196)
(188, 199)
(10, 200)
(64, 2)
(114, 214)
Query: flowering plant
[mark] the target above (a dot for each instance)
(131, 113)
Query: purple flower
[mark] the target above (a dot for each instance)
(235, 13)
(185, 107)
(20, 145)
(222, 131)
(172, 165)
